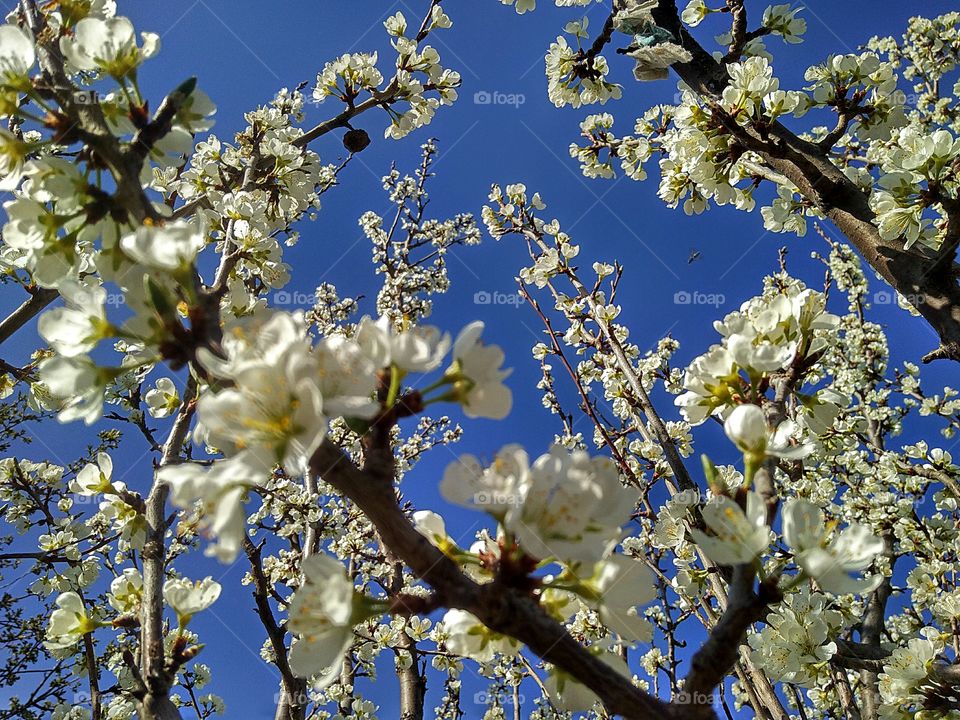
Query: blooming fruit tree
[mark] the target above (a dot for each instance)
(611, 575)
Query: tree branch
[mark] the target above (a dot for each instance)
(156, 704)
(930, 286)
(276, 634)
(32, 307)
(502, 609)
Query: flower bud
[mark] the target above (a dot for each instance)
(747, 428)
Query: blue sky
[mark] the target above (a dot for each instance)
(243, 51)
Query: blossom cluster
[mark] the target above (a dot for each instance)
(609, 535)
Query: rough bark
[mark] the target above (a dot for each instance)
(500, 608)
(926, 279)
(157, 675)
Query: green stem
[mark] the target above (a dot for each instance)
(447, 379)
(395, 377)
(449, 396)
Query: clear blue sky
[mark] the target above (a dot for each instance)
(243, 51)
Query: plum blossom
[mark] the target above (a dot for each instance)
(124, 517)
(738, 536)
(746, 427)
(108, 46)
(168, 247)
(521, 6)
(567, 505)
(764, 336)
(13, 155)
(273, 413)
(479, 385)
(492, 489)
(750, 81)
(163, 399)
(570, 507)
(905, 681)
(347, 378)
(76, 329)
(782, 20)
(620, 584)
(221, 490)
(465, 635)
(94, 478)
(69, 622)
(322, 614)
(795, 642)
(830, 563)
(17, 56)
(126, 591)
(187, 598)
(431, 526)
(78, 384)
(694, 13)
(420, 349)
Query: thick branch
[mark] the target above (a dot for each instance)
(871, 630)
(276, 634)
(738, 30)
(502, 609)
(156, 703)
(93, 676)
(26, 312)
(715, 658)
(927, 282)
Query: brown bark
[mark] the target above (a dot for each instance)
(926, 279)
(502, 609)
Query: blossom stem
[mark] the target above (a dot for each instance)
(396, 375)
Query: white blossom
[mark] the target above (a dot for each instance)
(830, 563)
(738, 536)
(746, 427)
(187, 597)
(481, 389)
(68, 622)
(77, 328)
(163, 399)
(167, 247)
(126, 591)
(108, 45)
(321, 614)
(570, 507)
(221, 491)
(419, 350)
(94, 478)
(492, 489)
(465, 635)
